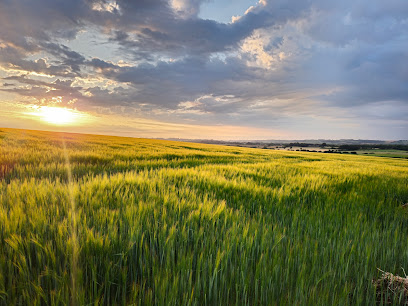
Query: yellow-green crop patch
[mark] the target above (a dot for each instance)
(143, 221)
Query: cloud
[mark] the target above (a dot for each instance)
(278, 61)
(187, 8)
(45, 92)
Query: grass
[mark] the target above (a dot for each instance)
(142, 221)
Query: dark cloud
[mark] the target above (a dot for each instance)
(47, 90)
(168, 83)
(23, 79)
(167, 33)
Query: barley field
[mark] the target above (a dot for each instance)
(101, 220)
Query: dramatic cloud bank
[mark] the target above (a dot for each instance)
(289, 69)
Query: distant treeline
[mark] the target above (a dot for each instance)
(329, 144)
(373, 146)
(349, 147)
(302, 144)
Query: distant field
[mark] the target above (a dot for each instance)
(392, 153)
(385, 153)
(107, 220)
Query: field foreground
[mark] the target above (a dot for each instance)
(96, 219)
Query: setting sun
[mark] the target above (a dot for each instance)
(59, 116)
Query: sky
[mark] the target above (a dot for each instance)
(208, 69)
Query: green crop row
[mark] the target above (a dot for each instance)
(107, 220)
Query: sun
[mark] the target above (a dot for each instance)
(58, 115)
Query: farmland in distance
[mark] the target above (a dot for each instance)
(88, 219)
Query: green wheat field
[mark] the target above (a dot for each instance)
(92, 220)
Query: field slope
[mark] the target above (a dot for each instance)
(96, 219)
